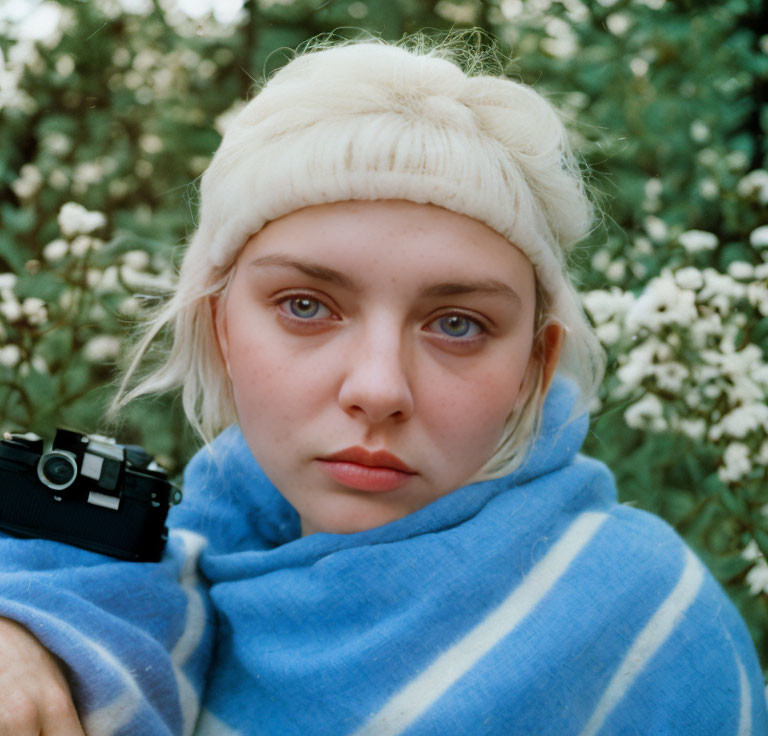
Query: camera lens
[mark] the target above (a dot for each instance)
(57, 469)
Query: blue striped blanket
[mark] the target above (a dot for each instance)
(532, 605)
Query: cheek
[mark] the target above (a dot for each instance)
(468, 416)
(274, 388)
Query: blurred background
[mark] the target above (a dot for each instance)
(111, 109)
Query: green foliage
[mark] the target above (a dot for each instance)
(118, 111)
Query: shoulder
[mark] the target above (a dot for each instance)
(685, 648)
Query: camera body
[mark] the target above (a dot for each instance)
(86, 491)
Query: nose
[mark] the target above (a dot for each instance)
(376, 381)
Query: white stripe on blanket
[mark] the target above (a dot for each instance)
(194, 626)
(648, 641)
(210, 725)
(422, 692)
(115, 715)
(745, 717)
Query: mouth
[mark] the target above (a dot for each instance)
(363, 470)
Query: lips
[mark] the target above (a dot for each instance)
(378, 459)
(363, 470)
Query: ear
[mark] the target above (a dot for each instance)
(218, 305)
(549, 349)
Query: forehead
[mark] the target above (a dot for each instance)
(372, 239)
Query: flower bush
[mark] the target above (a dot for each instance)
(109, 111)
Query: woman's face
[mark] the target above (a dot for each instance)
(376, 350)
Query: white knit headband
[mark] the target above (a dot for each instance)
(371, 121)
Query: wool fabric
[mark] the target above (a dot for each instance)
(376, 121)
(530, 604)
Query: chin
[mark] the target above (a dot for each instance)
(348, 520)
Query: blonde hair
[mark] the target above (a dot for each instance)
(375, 120)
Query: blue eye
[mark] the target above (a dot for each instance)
(457, 326)
(305, 307)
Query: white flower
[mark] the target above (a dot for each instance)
(35, 311)
(618, 23)
(757, 578)
(743, 372)
(639, 362)
(708, 188)
(81, 245)
(653, 188)
(705, 327)
(137, 260)
(102, 347)
(140, 280)
(65, 65)
(752, 552)
(759, 238)
(109, 281)
(10, 307)
(736, 160)
(757, 294)
(699, 131)
(662, 302)
(67, 299)
(601, 259)
(736, 462)
(689, 278)
(58, 179)
(698, 240)
(741, 421)
(74, 218)
(656, 228)
(608, 333)
(10, 355)
(616, 271)
(670, 376)
(562, 47)
(39, 364)
(151, 143)
(57, 143)
(29, 183)
(129, 305)
(7, 280)
(103, 281)
(603, 306)
(55, 250)
(693, 428)
(741, 270)
(85, 174)
(755, 182)
(721, 290)
(708, 157)
(647, 413)
(692, 400)
(643, 246)
(639, 66)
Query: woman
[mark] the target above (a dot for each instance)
(397, 535)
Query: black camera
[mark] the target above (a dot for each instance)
(86, 491)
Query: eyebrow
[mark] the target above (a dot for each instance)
(492, 287)
(483, 286)
(315, 270)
